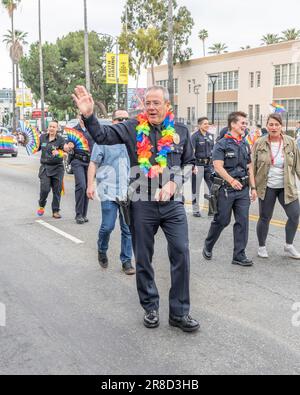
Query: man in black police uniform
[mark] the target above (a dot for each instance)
(80, 159)
(203, 143)
(153, 204)
(234, 174)
(51, 172)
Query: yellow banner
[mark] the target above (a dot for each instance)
(111, 68)
(23, 97)
(123, 69)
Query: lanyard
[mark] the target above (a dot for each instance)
(273, 157)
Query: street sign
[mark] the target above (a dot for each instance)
(123, 69)
(111, 68)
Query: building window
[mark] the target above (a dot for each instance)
(292, 107)
(251, 80)
(190, 86)
(251, 112)
(287, 74)
(189, 114)
(257, 112)
(258, 79)
(226, 81)
(164, 83)
(222, 110)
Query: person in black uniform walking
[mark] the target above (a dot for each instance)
(203, 143)
(158, 150)
(51, 172)
(80, 159)
(234, 174)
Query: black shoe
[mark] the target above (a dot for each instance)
(197, 215)
(151, 319)
(207, 254)
(243, 262)
(86, 219)
(80, 220)
(103, 260)
(186, 323)
(128, 268)
(211, 215)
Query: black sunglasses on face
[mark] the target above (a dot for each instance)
(121, 119)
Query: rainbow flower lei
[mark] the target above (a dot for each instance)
(164, 145)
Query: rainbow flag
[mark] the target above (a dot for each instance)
(7, 143)
(78, 139)
(31, 137)
(278, 108)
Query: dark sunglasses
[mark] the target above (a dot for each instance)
(121, 119)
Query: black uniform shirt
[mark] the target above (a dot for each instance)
(203, 145)
(125, 133)
(47, 147)
(236, 156)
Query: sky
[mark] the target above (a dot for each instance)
(234, 22)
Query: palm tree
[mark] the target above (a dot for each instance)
(290, 35)
(15, 47)
(203, 35)
(245, 48)
(217, 49)
(11, 6)
(270, 39)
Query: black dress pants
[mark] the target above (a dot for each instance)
(237, 202)
(146, 218)
(80, 170)
(51, 180)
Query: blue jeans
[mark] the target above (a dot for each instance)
(110, 211)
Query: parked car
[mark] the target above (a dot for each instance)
(8, 143)
(72, 124)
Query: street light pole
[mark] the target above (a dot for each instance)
(170, 53)
(213, 79)
(197, 92)
(86, 49)
(43, 125)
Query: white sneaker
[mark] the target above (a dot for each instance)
(262, 252)
(291, 251)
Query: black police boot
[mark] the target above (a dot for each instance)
(197, 215)
(207, 254)
(79, 220)
(246, 262)
(151, 319)
(186, 323)
(103, 260)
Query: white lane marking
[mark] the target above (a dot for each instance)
(60, 232)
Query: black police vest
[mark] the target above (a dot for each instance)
(204, 146)
(236, 158)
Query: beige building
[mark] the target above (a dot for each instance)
(248, 80)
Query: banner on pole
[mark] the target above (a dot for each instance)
(111, 68)
(23, 97)
(123, 69)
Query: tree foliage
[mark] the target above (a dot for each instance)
(145, 36)
(64, 68)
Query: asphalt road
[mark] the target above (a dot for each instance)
(65, 315)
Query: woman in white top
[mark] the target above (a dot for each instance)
(276, 161)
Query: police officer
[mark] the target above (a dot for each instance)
(153, 201)
(234, 174)
(203, 143)
(80, 159)
(51, 172)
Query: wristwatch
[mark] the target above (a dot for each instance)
(253, 189)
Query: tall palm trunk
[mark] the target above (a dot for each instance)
(170, 53)
(43, 125)
(86, 49)
(14, 123)
(204, 53)
(153, 73)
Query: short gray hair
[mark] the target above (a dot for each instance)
(158, 88)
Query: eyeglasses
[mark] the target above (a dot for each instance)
(121, 119)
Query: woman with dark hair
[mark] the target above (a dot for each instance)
(276, 164)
